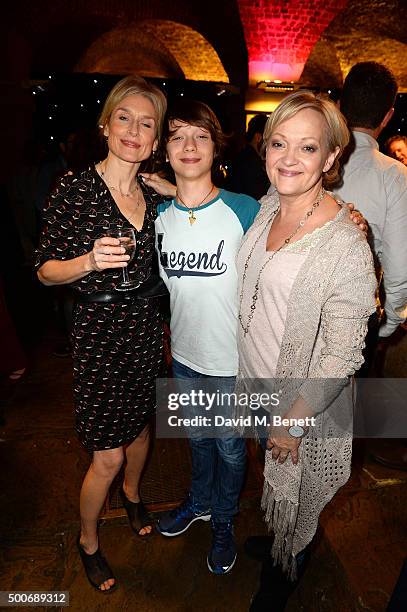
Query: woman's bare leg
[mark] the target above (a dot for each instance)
(136, 454)
(104, 467)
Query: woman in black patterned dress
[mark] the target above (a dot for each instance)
(117, 338)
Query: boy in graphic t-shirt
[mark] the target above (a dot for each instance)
(198, 235)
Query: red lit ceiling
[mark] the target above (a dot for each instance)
(280, 34)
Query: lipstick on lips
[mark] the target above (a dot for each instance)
(190, 160)
(288, 173)
(129, 143)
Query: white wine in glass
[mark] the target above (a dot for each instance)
(127, 239)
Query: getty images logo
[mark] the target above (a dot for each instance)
(192, 264)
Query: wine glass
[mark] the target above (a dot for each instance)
(127, 239)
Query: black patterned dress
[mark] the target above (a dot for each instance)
(117, 348)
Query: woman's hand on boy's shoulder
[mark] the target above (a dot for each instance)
(358, 218)
(159, 184)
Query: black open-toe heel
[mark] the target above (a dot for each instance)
(138, 516)
(96, 568)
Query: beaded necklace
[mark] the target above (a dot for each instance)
(308, 214)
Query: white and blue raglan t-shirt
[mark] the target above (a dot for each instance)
(198, 264)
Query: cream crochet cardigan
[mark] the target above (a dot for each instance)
(328, 310)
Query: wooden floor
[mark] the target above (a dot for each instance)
(357, 556)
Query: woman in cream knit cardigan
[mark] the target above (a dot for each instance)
(307, 289)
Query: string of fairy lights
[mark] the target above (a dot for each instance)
(68, 102)
(65, 102)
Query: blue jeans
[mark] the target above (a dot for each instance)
(218, 464)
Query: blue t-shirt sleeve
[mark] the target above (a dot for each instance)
(244, 207)
(162, 206)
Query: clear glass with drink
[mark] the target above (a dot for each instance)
(127, 238)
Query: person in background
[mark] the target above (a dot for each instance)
(377, 184)
(396, 147)
(117, 336)
(248, 174)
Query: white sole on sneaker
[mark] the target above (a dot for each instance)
(205, 517)
(225, 572)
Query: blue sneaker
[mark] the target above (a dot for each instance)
(222, 555)
(177, 521)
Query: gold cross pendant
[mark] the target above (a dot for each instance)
(192, 217)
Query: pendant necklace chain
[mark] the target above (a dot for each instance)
(117, 189)
(124, 195)
(191, 216)
(255, 296)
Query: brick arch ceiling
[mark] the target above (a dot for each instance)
(197, 58)
(280, 34)
(157, 48)
(384, 50)
(129, 50)
(323, 67)
(369, 30)
(57, 33)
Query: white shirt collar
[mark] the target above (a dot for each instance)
(365, 140)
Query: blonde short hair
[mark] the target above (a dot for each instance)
(135, 85)
(336, 132)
